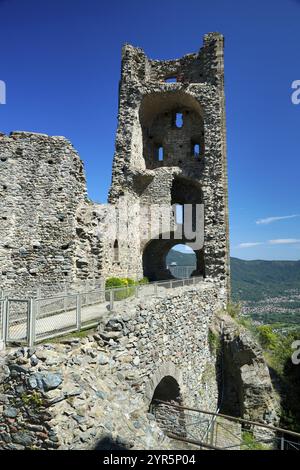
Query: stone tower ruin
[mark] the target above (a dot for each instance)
(171, 150)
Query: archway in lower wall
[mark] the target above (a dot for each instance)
(155, 265)
(170, 419)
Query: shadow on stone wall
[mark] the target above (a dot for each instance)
(108, 443)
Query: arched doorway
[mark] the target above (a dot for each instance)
(155, 259)
(170, 419)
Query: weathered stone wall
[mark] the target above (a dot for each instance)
(147, 106)
(81, 393)
(47, 231)
(248, 390)
(72, 395)
(168, 335)
(51, 233)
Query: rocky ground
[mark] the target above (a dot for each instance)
(64, 396)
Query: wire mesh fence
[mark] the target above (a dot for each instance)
(55, 316)
(45, 316)
(181, 272)
(17, 321)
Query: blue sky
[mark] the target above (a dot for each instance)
(60, 60)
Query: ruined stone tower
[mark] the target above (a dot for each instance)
(171, 149)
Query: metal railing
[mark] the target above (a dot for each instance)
(274, 438)
(181, 272)
(33, 319)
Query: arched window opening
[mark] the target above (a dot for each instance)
(196, 150)
(169, 418)
(160, 154)
(179, 120)
(170, 79)
(116, 251)
(181, 261)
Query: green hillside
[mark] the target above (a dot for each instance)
(182, 259)
(257, 279)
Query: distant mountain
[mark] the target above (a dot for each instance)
(182, 259)
(254, 280)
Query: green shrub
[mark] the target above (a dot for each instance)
(249, 442)
(233, 309)
(214, 342)
(144, 280)
(125, 287)
(113, 282)
(267, 338)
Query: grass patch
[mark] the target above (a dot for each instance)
(250, 443)
(214, 342)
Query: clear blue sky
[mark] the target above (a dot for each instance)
(60, 60)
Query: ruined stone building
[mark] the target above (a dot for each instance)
(170, 149)
(170, 152)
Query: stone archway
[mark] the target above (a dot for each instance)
(154, 259)
(165, 387)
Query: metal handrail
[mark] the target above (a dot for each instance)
(232, 418)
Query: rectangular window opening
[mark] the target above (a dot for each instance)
(179, 214)
(179, 120)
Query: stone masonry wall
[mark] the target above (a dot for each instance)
(43, 206)
(73, 394)
(147, 105)
(96, 391)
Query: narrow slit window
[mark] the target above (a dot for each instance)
(160, 154)
(196, 150)
(116, 251)
(179, 120)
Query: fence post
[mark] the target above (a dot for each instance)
(31, 319)
(212, 431)
(136, 291)
(194, 280)
(78, 312)
(5, 321)
(282, 443)
(65, 297)
(111, 300)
